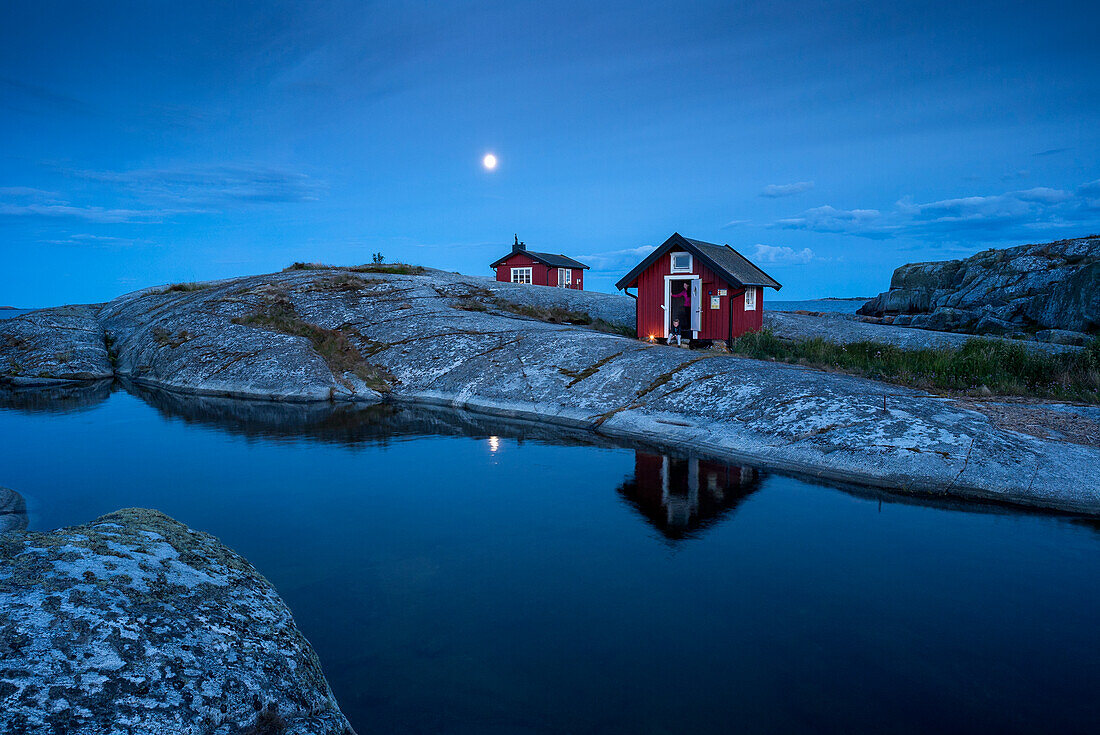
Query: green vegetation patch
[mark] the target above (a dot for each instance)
(277, 313)
(397, 269)
(183, 288)
(980, 366)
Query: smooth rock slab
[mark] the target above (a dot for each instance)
(137, 624)
(52, 346)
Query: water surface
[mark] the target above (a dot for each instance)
(845, 306)
(461, 575)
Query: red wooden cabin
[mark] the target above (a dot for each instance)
(542, 269)
(713, 290)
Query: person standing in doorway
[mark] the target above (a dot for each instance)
(681, 310)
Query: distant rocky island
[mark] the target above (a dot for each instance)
(1049, 292)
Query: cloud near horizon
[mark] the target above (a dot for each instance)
(616, 259)
(216, 186)
(774, 191)
(783, 255)
(155, 195)
(994, 217)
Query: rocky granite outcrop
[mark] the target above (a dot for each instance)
(1051, 289)
(52, 346)
(13, 511)
(460, 341)
(137, 624)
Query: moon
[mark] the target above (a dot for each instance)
(489, 162)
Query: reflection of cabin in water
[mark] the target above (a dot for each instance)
(681, 496)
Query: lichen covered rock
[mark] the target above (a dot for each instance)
(137, 624)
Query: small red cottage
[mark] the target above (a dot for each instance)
(542, 269)
(713, 290)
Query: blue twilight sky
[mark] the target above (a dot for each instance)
(151, 142)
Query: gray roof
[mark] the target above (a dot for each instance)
(727, 262)
(551, 259)
(735, 264)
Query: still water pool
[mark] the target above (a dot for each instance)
(465, 575)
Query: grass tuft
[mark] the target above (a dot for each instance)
(978, 367)
(183, 288)
(469, 304)
(333, 345)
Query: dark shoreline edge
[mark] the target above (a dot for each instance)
(586, 430)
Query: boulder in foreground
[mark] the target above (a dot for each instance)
(137, 624)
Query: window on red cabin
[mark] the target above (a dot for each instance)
(521, 275)
(750, 298)
(681, 262)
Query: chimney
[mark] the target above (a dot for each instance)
(518, 245)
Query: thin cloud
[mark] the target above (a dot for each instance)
(612, 259)
(213, 185)
(90, 214)
(155, 195)
(1051, 151)
(774, 191)
(783, 254)
(88, 239)
(31, 98)
(735, 223)
(992, 217)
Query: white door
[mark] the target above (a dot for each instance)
(696, 306)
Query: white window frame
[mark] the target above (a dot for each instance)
(750, 298)
(565, 277)
(672, 262)
(522, 273)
